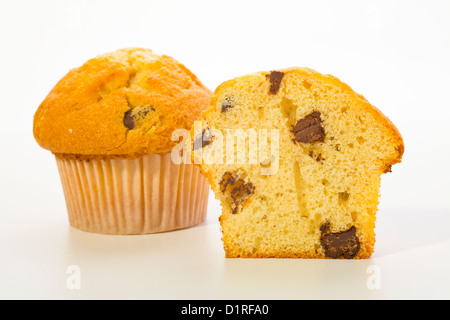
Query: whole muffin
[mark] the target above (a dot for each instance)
(110, 123)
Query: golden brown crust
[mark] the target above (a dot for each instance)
(395, 134)
(86, 113)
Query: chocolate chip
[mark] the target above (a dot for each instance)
(340, 244)
(275, 78)
(238, 190)
(204, 139)
(388, 169)
(227, 103)
(319, 158)
(128, 119)
(134, 116)
(309, 129)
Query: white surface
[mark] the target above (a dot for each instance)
(395, 53)
(411, 262)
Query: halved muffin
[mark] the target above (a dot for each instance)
(298, 158)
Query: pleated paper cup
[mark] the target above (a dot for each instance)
(121, 196)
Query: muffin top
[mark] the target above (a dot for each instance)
(126, 103)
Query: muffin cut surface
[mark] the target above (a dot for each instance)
(315, 193)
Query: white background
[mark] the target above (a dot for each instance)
(395, 53)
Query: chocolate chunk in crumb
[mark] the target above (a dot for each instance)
(309, 129)
(128, 119)
(340, 244)
(226, 106)
(238, 190)
(275, 78)
(204, 139)
(227, 103)
(319, 158)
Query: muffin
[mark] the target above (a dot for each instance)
(295, 158)
(109, 124)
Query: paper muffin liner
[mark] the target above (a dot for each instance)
(121, 196)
